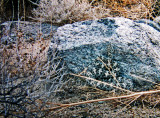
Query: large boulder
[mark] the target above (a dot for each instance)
(118, 51)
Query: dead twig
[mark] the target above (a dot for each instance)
(109, 69)
(101, 82)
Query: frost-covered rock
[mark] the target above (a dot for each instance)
(113, 50)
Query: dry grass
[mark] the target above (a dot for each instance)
(133, 9)
(69, 11)
(76, 99)
(92, 102)
(26, 73)
(65, 11)
(29, 53)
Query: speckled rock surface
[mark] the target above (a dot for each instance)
(157, 20)
(114, 50)
(9, 31)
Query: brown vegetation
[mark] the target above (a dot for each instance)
(69, 11)
(27, 59)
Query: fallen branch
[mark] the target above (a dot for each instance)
(60, 106)
(106, 99)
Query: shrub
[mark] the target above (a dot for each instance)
(66, 11)
(133, 9)
(26, 74)
(69, 11)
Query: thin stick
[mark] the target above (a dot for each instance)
(18, 14)
(109, 69)
(138, 77)
(24, 10)
(104, 99)
(105, 83)
(33, 3)
(128, 104)
(113, 98)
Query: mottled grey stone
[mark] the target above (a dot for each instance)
(157, 20)
(129, 49)
(10, 29)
